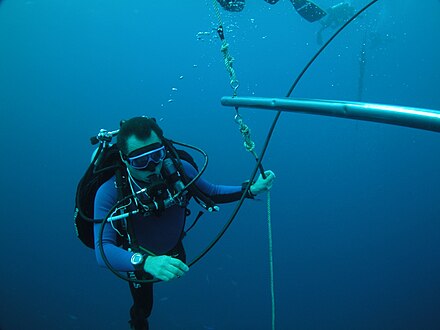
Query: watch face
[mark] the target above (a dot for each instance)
(136, 259)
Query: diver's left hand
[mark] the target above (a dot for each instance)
(261, 184)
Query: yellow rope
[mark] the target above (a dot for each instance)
(228, 59)
(272, 290)
(248, 143)
(246, 133)
(234, 83)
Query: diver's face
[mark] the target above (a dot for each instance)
(133, 144)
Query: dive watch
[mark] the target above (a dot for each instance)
(137, 260)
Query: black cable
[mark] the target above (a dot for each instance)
(269, 135)
(258, 166)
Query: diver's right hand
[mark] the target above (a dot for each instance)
(165, 268)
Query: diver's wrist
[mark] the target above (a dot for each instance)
(147, 263)
(252, 191)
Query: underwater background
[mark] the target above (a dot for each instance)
(355, 207)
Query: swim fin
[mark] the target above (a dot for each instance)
(308, 10)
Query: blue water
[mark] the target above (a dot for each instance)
(355, 206)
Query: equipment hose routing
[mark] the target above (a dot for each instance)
(259, 159)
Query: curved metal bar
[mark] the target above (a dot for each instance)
(389, 114)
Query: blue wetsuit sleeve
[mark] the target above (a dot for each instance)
(105, 199)
(218, 193)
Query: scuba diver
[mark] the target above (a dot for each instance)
(159, 181)
(333, 17)
(306, 8)
(336, 16)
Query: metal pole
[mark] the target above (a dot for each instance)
(389, 114)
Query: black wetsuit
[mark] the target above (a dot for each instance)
(160, 234)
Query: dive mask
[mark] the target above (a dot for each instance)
(147, 157)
